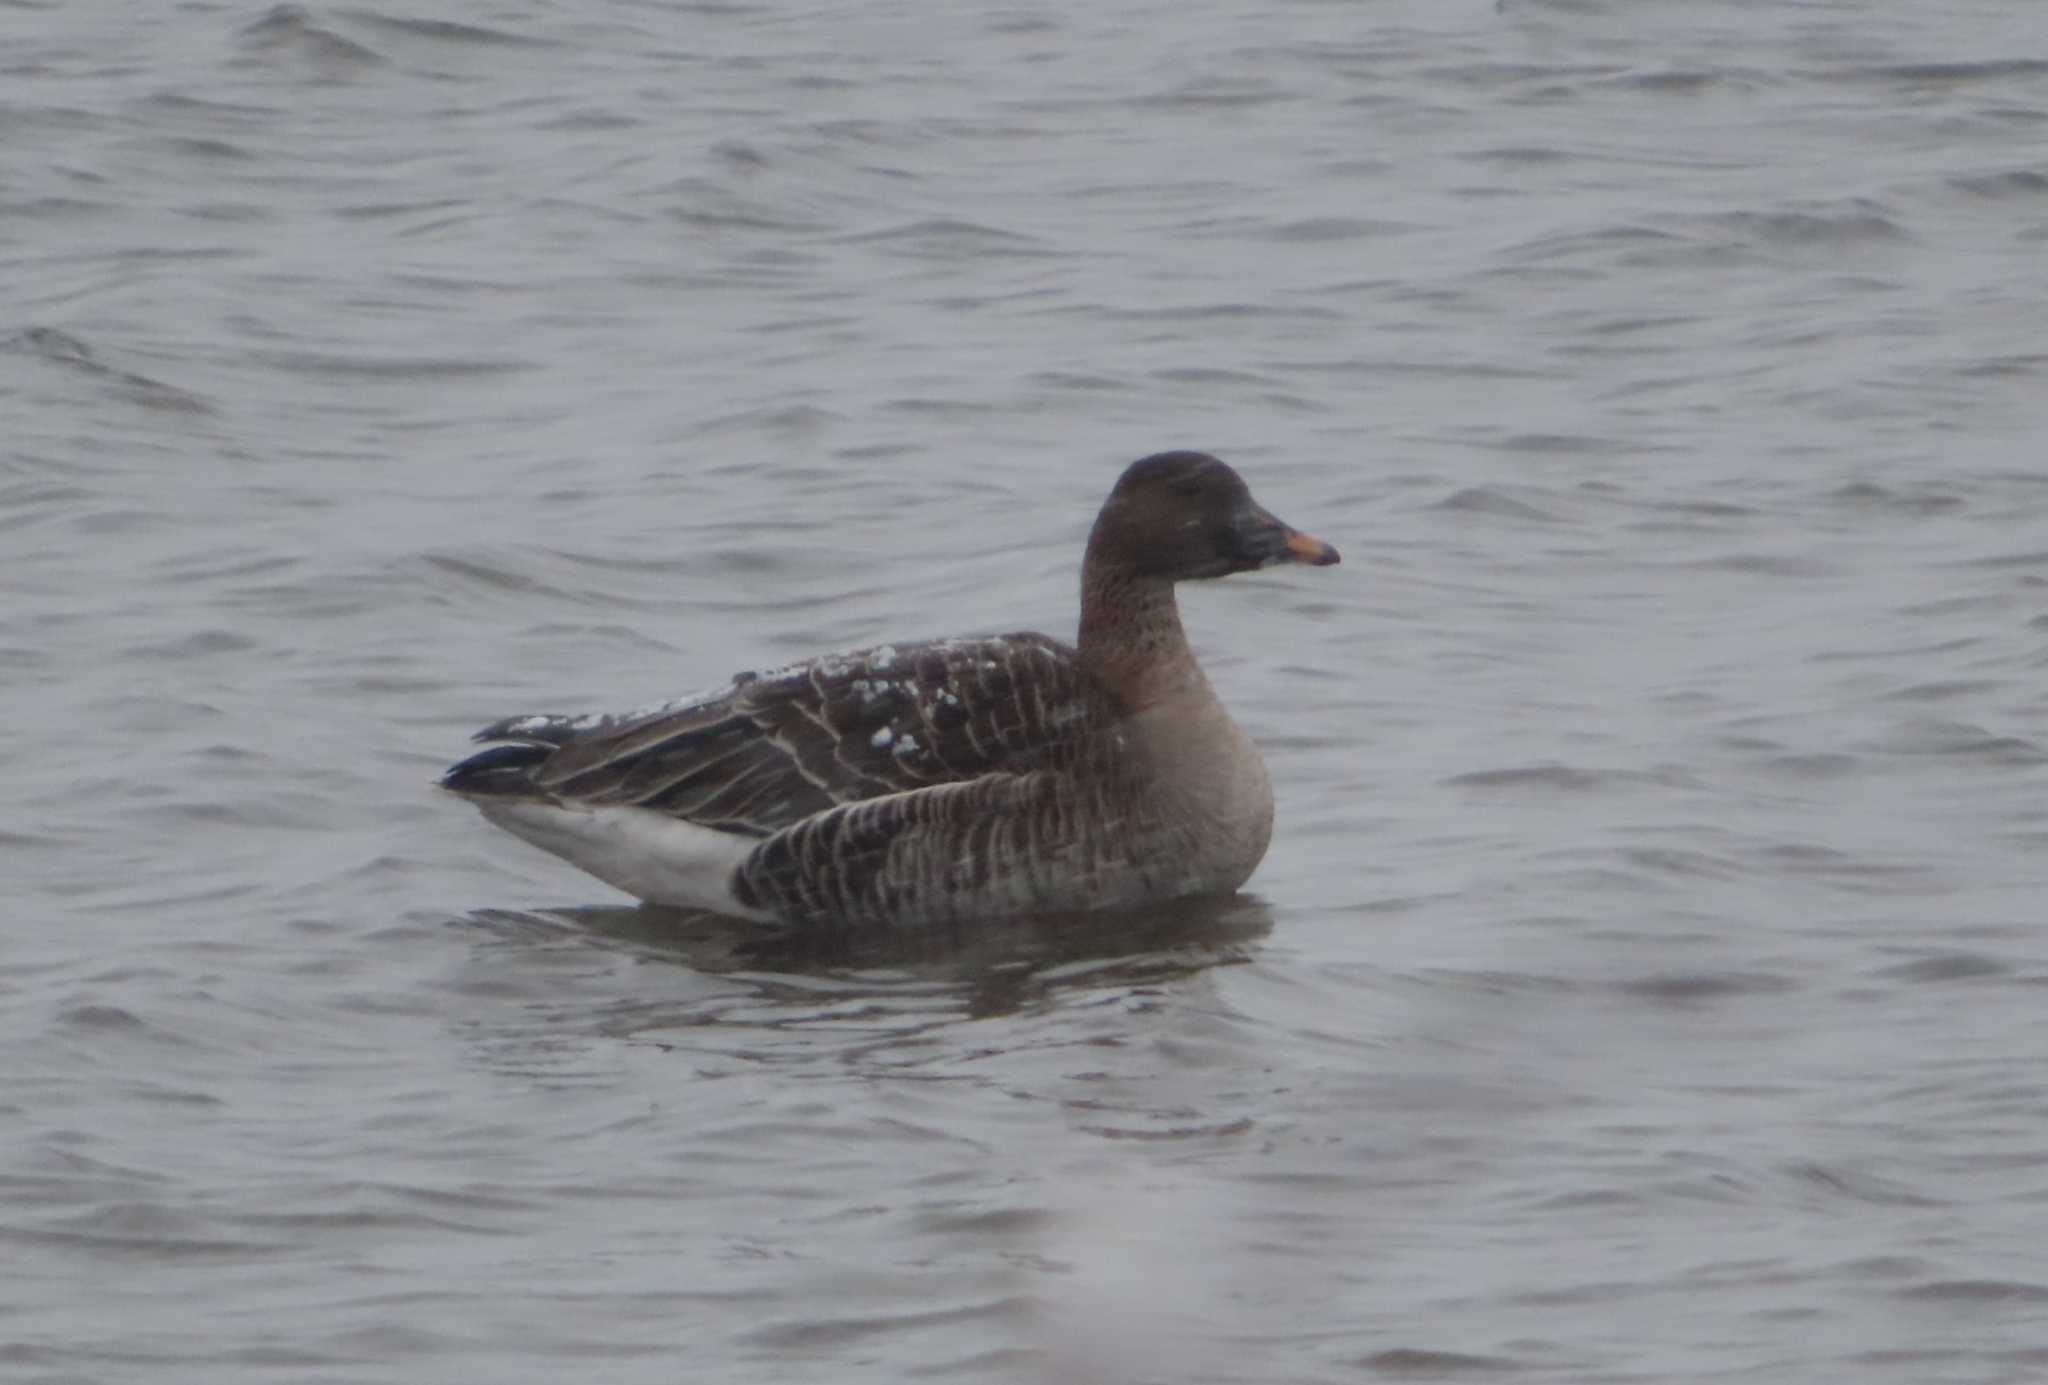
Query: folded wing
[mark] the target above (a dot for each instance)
(776, 748)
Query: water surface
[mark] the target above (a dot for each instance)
(1646, 981)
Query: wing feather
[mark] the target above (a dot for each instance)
(776, 748)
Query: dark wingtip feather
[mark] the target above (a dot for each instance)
(503, 769)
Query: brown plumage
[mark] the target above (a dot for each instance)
(947, 780)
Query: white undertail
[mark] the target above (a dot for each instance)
(647, 854)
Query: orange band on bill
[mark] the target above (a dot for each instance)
(1310, 549)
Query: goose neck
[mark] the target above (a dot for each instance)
(1131, 638)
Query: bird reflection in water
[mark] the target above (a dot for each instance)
(992, 970)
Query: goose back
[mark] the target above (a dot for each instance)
(778, 747)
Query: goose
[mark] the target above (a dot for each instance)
(947, 781)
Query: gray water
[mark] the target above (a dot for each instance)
(1647, 980)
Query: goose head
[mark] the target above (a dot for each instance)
(1181, 516)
